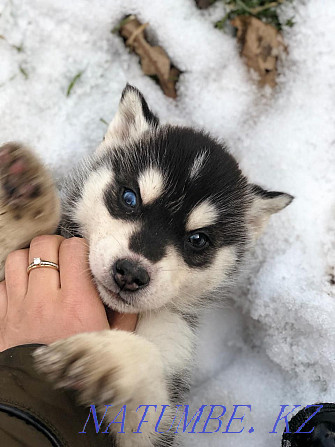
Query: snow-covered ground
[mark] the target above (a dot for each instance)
(274, 343)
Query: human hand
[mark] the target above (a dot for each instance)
(48, 305)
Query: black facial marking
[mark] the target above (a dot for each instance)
(162, 223)
(149, 245)
(114, 200)
(172, 150)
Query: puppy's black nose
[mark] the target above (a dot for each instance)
(129, 276)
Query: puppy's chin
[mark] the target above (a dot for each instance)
(113, 300)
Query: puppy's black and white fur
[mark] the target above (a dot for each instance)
(169, 218)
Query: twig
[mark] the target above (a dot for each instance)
(137, 31)
(265, 7)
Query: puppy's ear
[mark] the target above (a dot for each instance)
(132, 118)
(263, 205)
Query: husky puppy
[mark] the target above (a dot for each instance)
(169, 218)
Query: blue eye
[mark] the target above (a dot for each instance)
(129, 198)
(198, 240)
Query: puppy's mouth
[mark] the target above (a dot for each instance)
(114, 295)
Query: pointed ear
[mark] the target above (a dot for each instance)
(132, 118)
(264, 204)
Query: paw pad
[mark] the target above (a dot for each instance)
(18, 175)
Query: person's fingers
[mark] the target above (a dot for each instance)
(16, 273)
(75, 275)
(3, 299)
(125, 322)
(46, 248)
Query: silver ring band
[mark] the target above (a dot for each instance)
(38, 263)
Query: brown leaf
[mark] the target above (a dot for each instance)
(261, 45)
(154, 60)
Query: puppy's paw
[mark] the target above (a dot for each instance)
(29, 202)
(113, 367)
(20, 176)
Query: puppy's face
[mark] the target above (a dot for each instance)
(166, 210)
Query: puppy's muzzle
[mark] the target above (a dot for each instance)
(129, 276)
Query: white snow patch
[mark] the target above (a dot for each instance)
(275, 343)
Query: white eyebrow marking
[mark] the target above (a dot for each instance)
(151, 183)
(198, 163)
(202, 215)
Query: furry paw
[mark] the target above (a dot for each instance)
(29, 202)
(19, 174)
(113, 367)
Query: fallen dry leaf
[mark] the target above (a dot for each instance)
(154, 60)
(261, 45)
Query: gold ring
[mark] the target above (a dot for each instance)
(38, 263)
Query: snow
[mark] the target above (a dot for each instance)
(272, 344)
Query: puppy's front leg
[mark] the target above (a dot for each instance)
(110, 367)
(29, 203)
